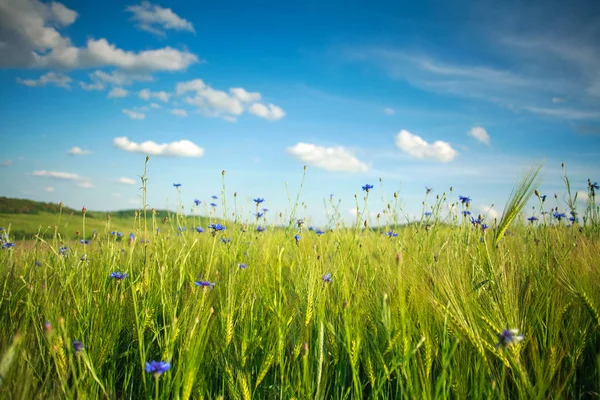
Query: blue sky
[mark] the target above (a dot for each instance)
(438, 94)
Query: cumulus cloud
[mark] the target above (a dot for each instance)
(117, 92)
(50, 189)
(489, 213)
(78, 151)
(133, 114)
(416, 147)
(155, 19)
(582, 196)
(125, 181)
(65, 176)
(179, 112)
(328, 158)
(154, 105)
(228, 105)
(480, 134)
(99, 79)
(30, 37)
(182, 148)
(271, 111)
(54, 78)
(146, 94)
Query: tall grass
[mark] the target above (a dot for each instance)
(410, 316)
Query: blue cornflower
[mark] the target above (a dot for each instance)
(113, 233)
(391, 234)
(228, 240)
(477, 221)
(532, 219)
(594, 185)
(508, 337)
(466, 212)
(428, 213)
(310, 228)
(297, 238)
(63, 250)
(242, 266)
(207, 284)
(466, 200)
(367, 187)
(214, 197)
(428, 189)
(157, 367)
(181, 228)
(300, 223)
(213, 204)
(484, 227)
(197, 202)
(260, 229)
(558, 215)
(199, 230)
(118, 276)
(265, 210)
(574, 219)
(319, 232)
(38, 263)
(258, 200)
(8, 245)
(177, 185)
(216, 227)
(259, 215)
(543, 197)
(83, 241)
(78, 346)
(326, 278)
(119, 234)
(131, 237)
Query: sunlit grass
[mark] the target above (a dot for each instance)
(350, 313)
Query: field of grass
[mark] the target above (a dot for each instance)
(424, 311)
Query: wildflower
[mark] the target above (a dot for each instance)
(63, 250)
(242, 266)
(297, 238)
(119, 234)
(477, 221)
(326, 278)
(38, 263)
(466, 200)
(593, 186)
(367, 187)
(207, 284)
(260, 229)
(319, 232)
(216, 227)
(214, 197)
(484, 227)
(508, 337)
(532, 219)
(157, 367)
(197, 202)
(543, 198)
(574, 219)
(300, 223)
(145, 241)
(84, 257)
(428, 190)
(181, 228)
(118, 276)
(83, 241)
(466, 213)
(428, 213)
(558, 215)
(225, 241)
(391, 233)
(8, 245)
(199, 230)
(113, 233)
(265, 210)
(213, 204)
(258, 200)
(310, 228)
(78, 346)
(259, 215)
(177, 185)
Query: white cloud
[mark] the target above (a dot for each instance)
(66, 176)
(6, 163)
(155, 19)
(125, 181)
(217, 103)
(57, 79)
(154, 105)
(182, 148)
(582, 196)
(328, 158)
(133, 114)
(179, 112)
(389, 111)
(117, 92)
(50, 189)
(271, 111)
(30, 37)
(78, 151)
(415, 146)
(92, 86)
(564, 113)
(489, 214)
(146, 94)
(100, 79)
(480, 134)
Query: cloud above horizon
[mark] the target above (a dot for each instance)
(328, 158)
(181, 148)
(417, 147)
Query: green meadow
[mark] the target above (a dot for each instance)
(451, 306)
